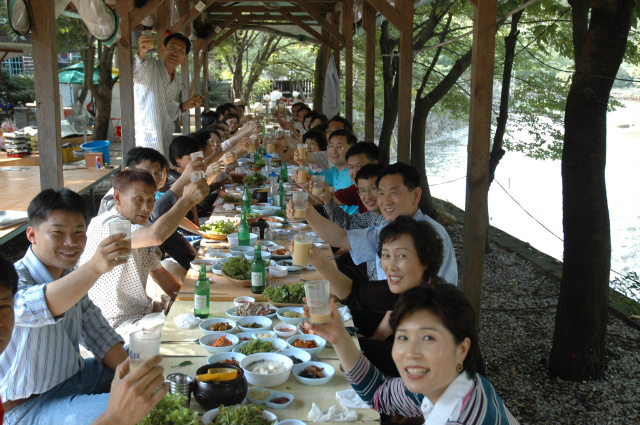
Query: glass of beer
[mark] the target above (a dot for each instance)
(318, 185)
(301, 246)
(271, 147)
(318, 297)
(303, 175)
(196, 155)
(300, 205)
(121, 226)
(302, 151)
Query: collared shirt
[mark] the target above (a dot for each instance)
(322, 159)
(121, 293)
(156, 105)
(350, 196)
(44, 350)
(449, 405)
(339, 180)
(364, 247)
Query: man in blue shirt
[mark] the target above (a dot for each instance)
(43, 377)
(337, 177)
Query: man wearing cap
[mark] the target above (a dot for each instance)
(156, 90)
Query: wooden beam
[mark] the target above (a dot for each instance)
(347, 32)
(404, 84)
(324, 23)
(195, 85)
(369, 25)
(125, 64)
(205, 42)
(476, 215)
(263, 9)
(388, 12)
(299, 22)
(191, 16)
(162, 21)
(45, 55)
(243, 20)
(138, 14)
(335, 16)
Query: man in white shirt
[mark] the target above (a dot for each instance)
(121, 293)
(156, 90)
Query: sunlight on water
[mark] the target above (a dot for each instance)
(537, 186)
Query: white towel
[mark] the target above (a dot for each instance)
(186, 321)
(345, 313)
(332, 415)
(351, 400)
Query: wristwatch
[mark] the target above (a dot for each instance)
(286, 149)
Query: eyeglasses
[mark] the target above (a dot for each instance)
(173, 49)
(337, 147)
(371, 191)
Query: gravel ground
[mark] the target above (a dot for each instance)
(516, 331)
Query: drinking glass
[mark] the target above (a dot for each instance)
(121, 226)
(302, 151)
(300, 205)
(318, 297)
(142, 346)
(301, 246)
(318, 185)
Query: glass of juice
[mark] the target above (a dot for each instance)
(301, 246)
(300, 205)
(303, 175)
(302, 151)
(318, 297)
(318, 185)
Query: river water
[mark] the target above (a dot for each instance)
(536, 185)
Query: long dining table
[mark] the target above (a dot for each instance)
(187, 349)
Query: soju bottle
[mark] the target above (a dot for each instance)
(244, 233)
(201, 294)
(256, 156)
(282, 200)
(246, 200)
(258, 274)
(283, 172)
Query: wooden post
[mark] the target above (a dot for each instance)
(404, 86)
(347, 31)
(160, 27)
(475, 221)
(205, 77)
(183, 8)
(196, 84)
(368, 23)
(125, 60)
(45, 55)
(335, 16)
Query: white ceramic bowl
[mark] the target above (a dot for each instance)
(266, 244)
(277, 394)
(274, 224)
(205, 324)
(266, 380)
(328, 371)
(265, 334)
(290, 320)
(240, 250)
(208, 417)
(266, 256)
(301, 328)
(291, 422)
(277, 343)
(216, 255)
(238, 301)
(285, 330)
(297, 353)
(227, 355)
(320, 341)
(255, 394)
(208, 339)
(265, 323)
(278, 271)
(245, 336)
(195, 264)
(274, 248)
(233, 239)
(298, 226)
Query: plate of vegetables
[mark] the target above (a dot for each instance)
(254, 180)
(238, 414)
(285, 295)
(237, 270)
(171, 408)
(218, 230)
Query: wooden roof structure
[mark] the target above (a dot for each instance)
(329, 22)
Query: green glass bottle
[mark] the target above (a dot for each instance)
(283, 172)
(244, 233)
(256, 156)
(282, 201)
(201, 294)
(246, 200)
(258, 272)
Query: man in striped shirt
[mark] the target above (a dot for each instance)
(156, 90)
(43, 377)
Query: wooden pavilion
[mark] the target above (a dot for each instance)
(328, 22)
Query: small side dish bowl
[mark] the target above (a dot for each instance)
(225, 356)
(207, 340)
(320, 342)
(208, 262)
(290, 320)
(244, 322)
(278, 271)
(277, 400)
(299, 354)
(327, 370)
(206, 324)
(249, 363)
(285, 330)
(238, 301)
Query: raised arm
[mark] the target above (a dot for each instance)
(340, 284)
(165, 225)
(327, 230)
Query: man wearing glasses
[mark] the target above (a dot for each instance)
(156, 89)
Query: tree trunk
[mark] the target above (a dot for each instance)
(88, 74)
(318, 77)
(102, 93)
(390, 81)
(238, 77)
(578, 341)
